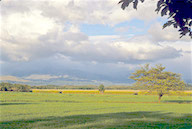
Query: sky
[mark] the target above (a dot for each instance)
(86, 41)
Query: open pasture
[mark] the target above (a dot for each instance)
(54, 110)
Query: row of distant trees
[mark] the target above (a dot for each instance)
(80, 87)
(4, 86)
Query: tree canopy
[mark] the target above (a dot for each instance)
(156, 79)
(179, 12)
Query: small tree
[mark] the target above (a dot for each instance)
(101, 88)
(155, 79)
(23, 88)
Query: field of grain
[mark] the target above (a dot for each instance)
(50, 110)
(127, 92)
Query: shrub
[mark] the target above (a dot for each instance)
(3, 88)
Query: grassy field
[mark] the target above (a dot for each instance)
(54, 110)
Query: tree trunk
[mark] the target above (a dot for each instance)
(160, 95)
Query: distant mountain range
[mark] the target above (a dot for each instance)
(66, 81)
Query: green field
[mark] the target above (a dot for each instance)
(54, 110)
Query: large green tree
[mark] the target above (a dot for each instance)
(156, 79)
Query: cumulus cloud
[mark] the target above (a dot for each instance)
(20, 33)
(31, 31)
(127, 52)
(78, 46)
(157, 33)
(34, 30)
(82, 11)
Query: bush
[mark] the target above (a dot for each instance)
(3, 88)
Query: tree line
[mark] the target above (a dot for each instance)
(5, 86)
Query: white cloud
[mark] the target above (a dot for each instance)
(82, 11)
(100, 49)
(20, 34)
(39, 30)
(42, 77)
(48, 77)
(167, 34)
(185, 46)
(78, 46)
(25, 26)
(74, 29)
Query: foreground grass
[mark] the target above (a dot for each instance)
(41, 110)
